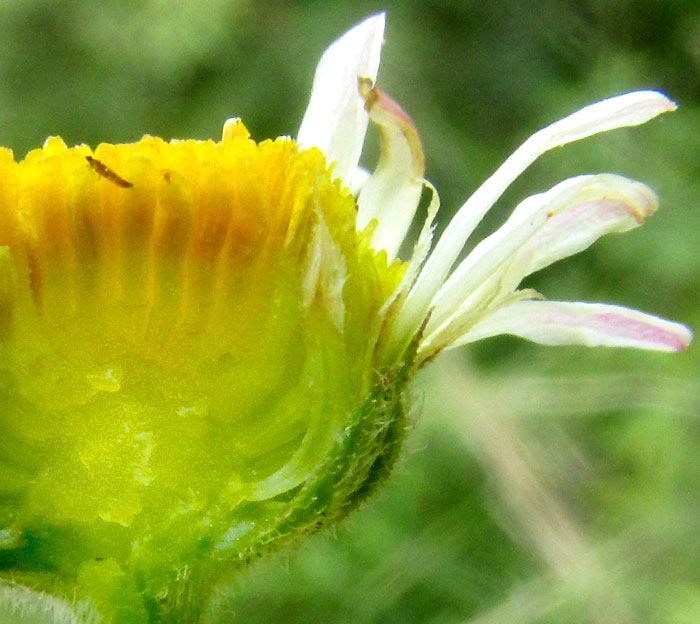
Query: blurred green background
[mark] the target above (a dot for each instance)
(542, 485)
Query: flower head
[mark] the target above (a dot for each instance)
(207, 348)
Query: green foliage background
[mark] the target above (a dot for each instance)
(542, 485)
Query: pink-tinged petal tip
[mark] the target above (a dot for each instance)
(391, 195)
(617, 328)
(590, 324)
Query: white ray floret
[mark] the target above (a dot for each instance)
(480, 297)
(624, 110)
(544, 228)
(335, 120)
(590, 324)
(390, 197)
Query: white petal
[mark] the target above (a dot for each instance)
(335, 120)
(422, 245)
(487, 257)
(609, 204)
(542, 229)
(624, 110)
(629, 109)
(395, 338)
(590, 324)
(392, 193)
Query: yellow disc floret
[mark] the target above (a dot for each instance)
(187, 331)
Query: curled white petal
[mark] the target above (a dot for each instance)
(610, 204)
(391, 195)
(624, 110)
(590, 324)
(335, 120)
